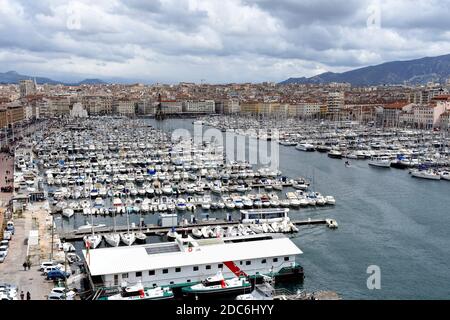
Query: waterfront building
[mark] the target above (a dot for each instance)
(124, 107)
(231, 106)
(98, 104)
(59, 105)
(171, 106)
(146, 107)
(187, 261)
(392, 111)
(305, 110)
(266, 108)
(201, 106)
(428, 116)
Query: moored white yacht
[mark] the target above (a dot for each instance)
(381, 161)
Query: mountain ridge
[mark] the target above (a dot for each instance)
(416, 71)
(13, 77)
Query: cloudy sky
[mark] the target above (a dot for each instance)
(217, 41)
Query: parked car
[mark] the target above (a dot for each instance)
(8, 292)
(52, 268)
(2, 257)
(46, 264)
(60, 293)
(4, 249)
(7, 235)
(57, 275)
(4, 243)
(10, 226)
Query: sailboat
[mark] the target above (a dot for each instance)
(113, 239)
(141, 236)
(129, 237)
(93, 240)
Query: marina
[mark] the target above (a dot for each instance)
(426, 153)
(105, 172)
(193, 215)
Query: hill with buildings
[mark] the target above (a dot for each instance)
(419, 71)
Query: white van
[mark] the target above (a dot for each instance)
(46, 264)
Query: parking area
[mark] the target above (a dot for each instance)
(12, 271)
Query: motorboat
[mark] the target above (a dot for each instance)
(218, 285)
(380, 161)
(330, 200)
(305, 147)
(426, 174)
(138, 292)
(68, 212)
(335, 154)
(181, 204)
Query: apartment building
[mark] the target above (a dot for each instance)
(124, 107)
(171, 106)
(200, 106)
(27, 87)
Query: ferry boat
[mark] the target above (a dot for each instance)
(187, 261)
(138, 292)
(218, 285)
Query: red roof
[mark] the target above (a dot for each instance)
(396, 105)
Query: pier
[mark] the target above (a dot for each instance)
(77, 235)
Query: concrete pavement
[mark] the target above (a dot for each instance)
(11, 271)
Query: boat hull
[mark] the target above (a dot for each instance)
(187, 291)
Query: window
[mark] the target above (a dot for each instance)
(247, 263)
(138, 274)
(220, 266)
(275, 259)
(196, 268)
(124, 275)
(165, 270)
(208, 267)
(154, 285)
(151, 273)
(188, 280)
(286, 258)
(263, 261)
(171, 282)
(240, 262)
(177, 269)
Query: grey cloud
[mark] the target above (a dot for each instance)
(182, 42)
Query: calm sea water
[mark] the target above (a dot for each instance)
(386, 218)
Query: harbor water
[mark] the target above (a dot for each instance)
(386, 219)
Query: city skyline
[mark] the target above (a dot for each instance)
(216, 42)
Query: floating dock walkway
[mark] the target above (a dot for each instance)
(77, 235)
